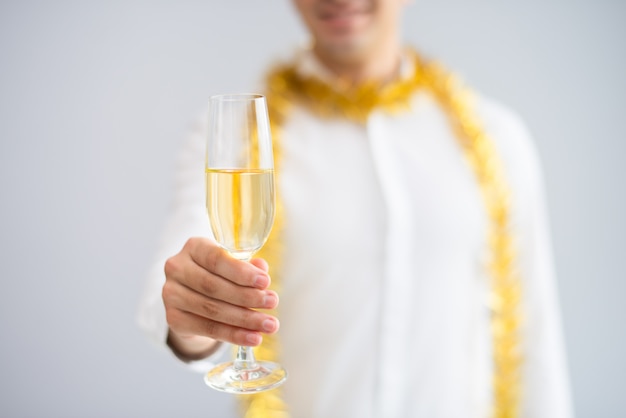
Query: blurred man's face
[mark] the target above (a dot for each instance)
(348, 29)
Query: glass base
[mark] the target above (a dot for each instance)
(231, 378)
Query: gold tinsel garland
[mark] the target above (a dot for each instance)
(286, 87)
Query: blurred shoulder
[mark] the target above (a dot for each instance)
(500, 119)
(515, 147)
(509, 132)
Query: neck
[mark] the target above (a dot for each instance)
(380, 65)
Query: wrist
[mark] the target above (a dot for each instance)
(190, 348)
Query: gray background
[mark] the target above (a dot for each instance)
(96, 97)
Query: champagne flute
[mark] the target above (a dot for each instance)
(240, 204)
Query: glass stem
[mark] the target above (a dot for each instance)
(245, 358)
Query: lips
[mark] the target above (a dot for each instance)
(343, 21)
(342, 11)
(339, 14)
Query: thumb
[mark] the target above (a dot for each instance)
(260, 263)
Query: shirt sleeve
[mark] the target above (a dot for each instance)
(546, 382)
(545, 391)
(187, 219)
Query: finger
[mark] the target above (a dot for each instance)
(211, 257)
(215, 287)
(186, 323)
(260, 263)
(187, 300)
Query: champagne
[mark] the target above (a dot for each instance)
(240, 204)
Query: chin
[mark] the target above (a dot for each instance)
(344, 48)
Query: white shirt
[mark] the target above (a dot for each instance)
(384, 292)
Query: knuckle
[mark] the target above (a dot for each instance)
(213, 258)
(252, 298)
(252, 320)
(207, 286)
(235, 336)
(210, 309)
(211, 329)
(167, 292)
(190, 244)
(171, 267)
(203, 251)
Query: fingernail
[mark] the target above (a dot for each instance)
(269, 325)
(270, 300)
(253, 339)
(261, 282)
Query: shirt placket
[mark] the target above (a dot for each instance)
(395, 296)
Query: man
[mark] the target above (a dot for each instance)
(413, 257)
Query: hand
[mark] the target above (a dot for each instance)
(210, 296)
